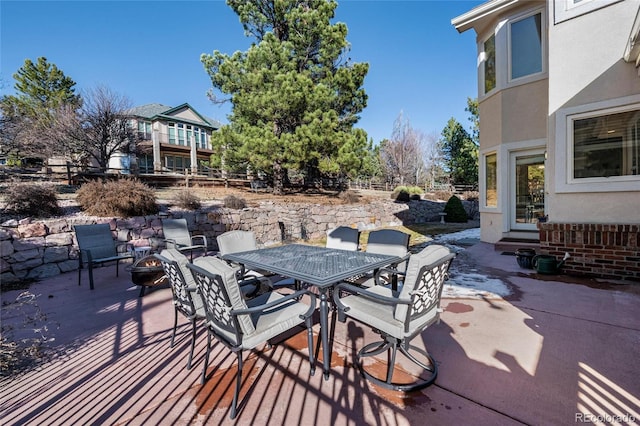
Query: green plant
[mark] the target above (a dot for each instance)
(121, 198)
(32, 199)
(455, 211)
(187, 200)
(233, 202)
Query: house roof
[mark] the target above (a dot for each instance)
(632, 50)
(160, 111)
(467, 20)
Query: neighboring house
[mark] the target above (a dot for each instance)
(559, 107)
(173, 139)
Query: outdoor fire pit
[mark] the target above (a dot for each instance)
(147, 272)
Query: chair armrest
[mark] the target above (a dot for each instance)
(288, 297)
(168, 241)
(389, 270)
(202, 238)
(359, 291)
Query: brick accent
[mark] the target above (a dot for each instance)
(610, 251)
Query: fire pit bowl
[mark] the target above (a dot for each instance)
(147, 272)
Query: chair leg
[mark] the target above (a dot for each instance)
(392, 360)
(91, 275)
(193, 344)
(175, 325)
(312, 362)
(80, 270)
(238, 385)
(206, 359)
(117, 267)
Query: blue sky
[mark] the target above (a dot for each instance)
(150, 52)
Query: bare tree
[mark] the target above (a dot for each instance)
(401, 156)
(433, 158)
(99, 129)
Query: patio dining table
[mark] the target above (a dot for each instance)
(317, 266)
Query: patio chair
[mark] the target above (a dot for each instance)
(186, 300)
(398, 317)
(97, 246)
(343, 237)
(386, 241)
(177, 235)
(236, 241)
(243, 325)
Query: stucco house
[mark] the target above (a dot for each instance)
(559, 106)
(172, 139)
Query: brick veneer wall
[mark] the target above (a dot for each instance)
(601, 250)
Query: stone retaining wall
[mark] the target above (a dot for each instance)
(36, 249)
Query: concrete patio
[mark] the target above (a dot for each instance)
(550, 350)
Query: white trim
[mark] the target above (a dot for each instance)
(513, 155)
(467, 20)
(483, 182)
(564, 10)
(565, 183)
(543, 46)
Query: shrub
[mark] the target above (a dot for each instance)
(405, 193)
(455, 211)
(233, 202)
(32, 199)
(186, 200)
(349, 197)
(121, 198)
(401, 196)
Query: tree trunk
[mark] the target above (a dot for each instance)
(278, 178)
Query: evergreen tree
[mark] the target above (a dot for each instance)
(461, 154)
(295, 96)
(41, 90)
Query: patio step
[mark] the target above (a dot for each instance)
(512, 244)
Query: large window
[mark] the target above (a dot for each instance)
(606, 145)
(526, 46)
(172, 133)
(491, 180)
(144, 130)
(490, 64)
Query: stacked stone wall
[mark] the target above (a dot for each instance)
(36, 249)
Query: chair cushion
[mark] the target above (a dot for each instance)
(177, 230)
(426, 256)
(236, 241)
(275, 321)
(381, 317)
(228, 273)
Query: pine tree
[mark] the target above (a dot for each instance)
(41, 89)
(295, 97)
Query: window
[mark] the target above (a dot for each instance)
(606, 146)
(144, 130)
(526, 46)
(172, 133)
(203, 139)
(564, 10)
(491, 180)
(181, 140)
(490, 64)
